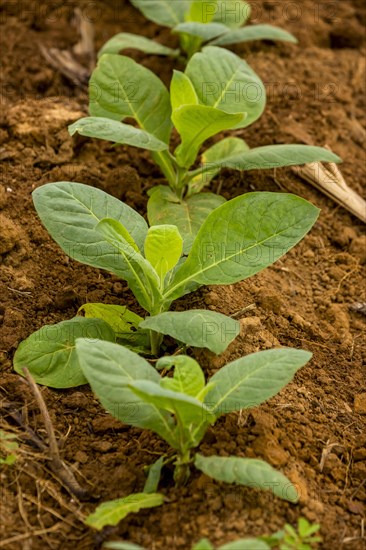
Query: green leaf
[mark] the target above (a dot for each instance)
(201, 11)
(109, 368)
(117, 132)
(245, 544)
(211, 161)
(122, 545)
(70, 213)
(224, 81)
(188, 409)
(119, 88)
(163, 12)
(254, 32)
(182, 91)
(188, 376)
(195, 124)
(205, 31)
(224, 148)
(113, 511)
(123, 321)
(249, 472)
(140, 275)
(276, 156)
(251, 380)
(203, 544)
(306, 529)
(232, 13)
(126, 40)
(200, 328)
(163, 248)
(50, 355)
(115, 230)
(242, 237)
(153, 478)
(188, 214)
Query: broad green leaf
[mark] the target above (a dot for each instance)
(70, 213)
(109, 368)
(195, 124)
(188, 376)
(276, 156)
(203, 544)
(113, 511)
(188, 214)
(232, 13)
(224, 81)
(205, 31)
(119, 88)
(254, 32)
(163, 248)
(153, 477)
(188, 409)
(164, 12)
(211, 161)
(242, 237)
(126, 40)
(251, 380)
(226, 147)
(117, 132)
(200, 328)
(182, 91)
(115, 230)
(249, 472)
(50, 355)
(123, 321)
(201, 11)
(245, 544)
(140, 275)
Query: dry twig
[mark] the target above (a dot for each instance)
(60, 469)
(328, 178)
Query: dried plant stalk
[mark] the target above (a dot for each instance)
(328, 178)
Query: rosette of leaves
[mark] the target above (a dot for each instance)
(218, 91)
(238, 239)
(197, 23)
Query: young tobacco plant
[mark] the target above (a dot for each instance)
(304, 537)
(181, 408)
(218, 91)
(196, 22)
(238, 239)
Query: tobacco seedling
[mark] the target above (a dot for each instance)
(196, 22)
(302, 538)
(203, 544)
(181, 408)
(238, 239)
(218, 91)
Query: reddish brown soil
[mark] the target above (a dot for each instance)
(314, 430)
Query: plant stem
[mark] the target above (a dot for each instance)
(164, 160)
(182, 471)
(156, 339)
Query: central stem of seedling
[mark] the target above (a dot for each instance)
(156, 339)
(182, 470)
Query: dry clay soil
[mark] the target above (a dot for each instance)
(314, 430)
